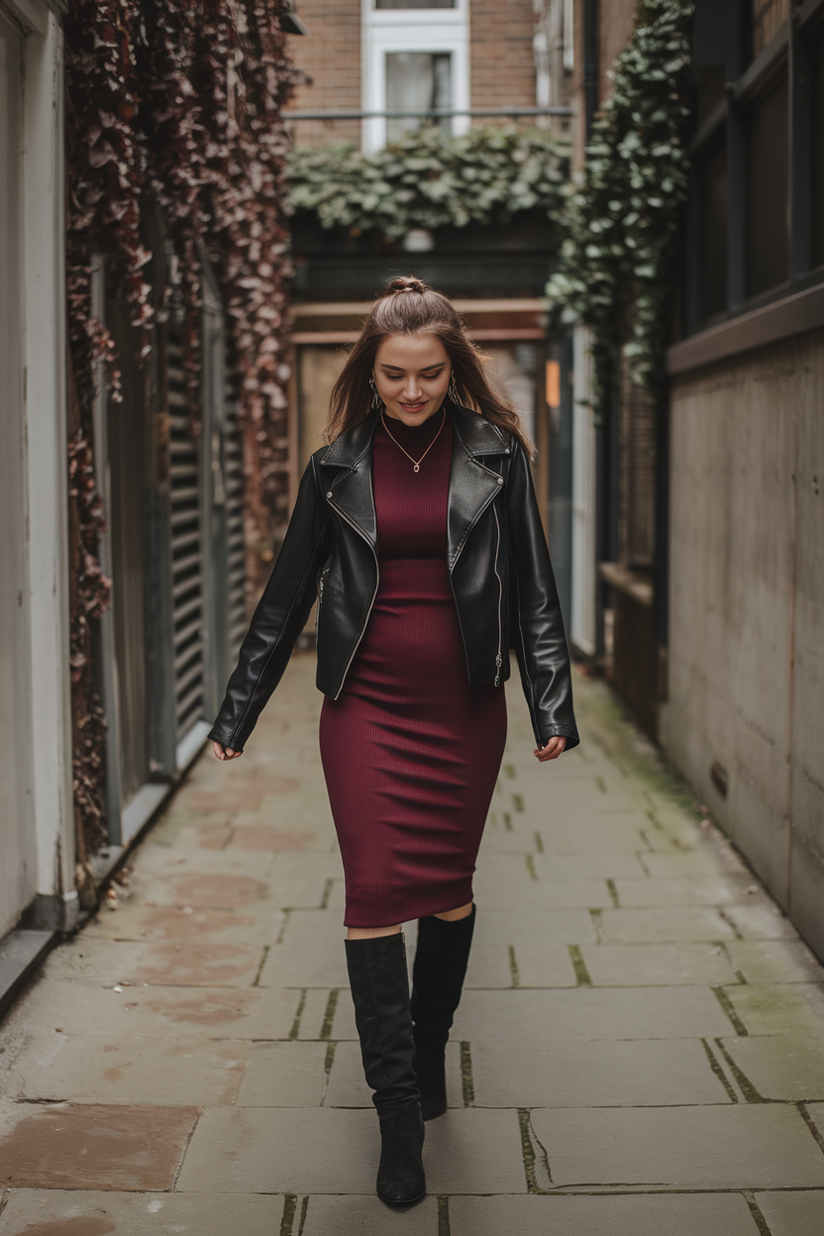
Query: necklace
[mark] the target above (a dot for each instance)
(415, 462)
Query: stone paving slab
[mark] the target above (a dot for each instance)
(717, 891)
(98, 1068)
(73, 1007)
(793, 1214)
(284, 1075)
(652, 1012)
(760, 921)
(54, 1212)
(308, 953)
(646, 1215)
(474, 1151)
(282, 1150)
(288, 1150)
(644, 965)
(780, 1008)
(635, 1073)
(96, 1146)
(185, 963)
(775, 961)
(708, 862)
(588, 866)
(782, 1067)
(583, 836)
(664, 925)
(366, 1216)
(741, 1146)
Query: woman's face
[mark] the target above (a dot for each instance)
(412, 374)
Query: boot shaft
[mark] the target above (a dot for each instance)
(379, 983)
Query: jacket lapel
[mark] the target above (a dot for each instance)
(474, 480)
(348, 481)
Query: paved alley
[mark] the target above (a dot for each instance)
(639, 1052)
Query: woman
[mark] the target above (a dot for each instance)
(418, 531)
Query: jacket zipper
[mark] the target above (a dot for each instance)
(371, 603)
(499, 657)
(320, 601)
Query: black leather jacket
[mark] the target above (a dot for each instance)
(498, 563)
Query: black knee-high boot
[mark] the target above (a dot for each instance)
(437, 980)
(380, 990)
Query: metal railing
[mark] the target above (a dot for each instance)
(431, 113)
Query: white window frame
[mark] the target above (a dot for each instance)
(411, 30)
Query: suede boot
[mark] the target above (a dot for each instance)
(437, 981)
(380, 991)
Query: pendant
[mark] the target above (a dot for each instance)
(417, 468)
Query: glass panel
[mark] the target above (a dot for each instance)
(768, 16)
(417, 80)
(818, 153)
(767, 200)
(712, 230)
(415, 4)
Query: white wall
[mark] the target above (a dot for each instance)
(34, 637)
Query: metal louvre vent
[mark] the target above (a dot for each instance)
(233, 481)
(187, 552)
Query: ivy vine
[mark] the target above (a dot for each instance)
(174, 102)
(429, 179)
(622, 216)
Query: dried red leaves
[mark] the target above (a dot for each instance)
(175, 103)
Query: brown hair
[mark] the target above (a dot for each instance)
(408, 306)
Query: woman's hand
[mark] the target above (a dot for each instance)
(555, 747)
(225, 753)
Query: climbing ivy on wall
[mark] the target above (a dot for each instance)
(430, 180)
(175, 103)
(622, 216)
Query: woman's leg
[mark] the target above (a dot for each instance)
(442, 955)
(379, 981)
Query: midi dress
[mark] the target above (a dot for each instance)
(410, 750)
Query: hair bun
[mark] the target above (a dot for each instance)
(406, 283)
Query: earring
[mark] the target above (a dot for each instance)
(377, 402)
(453, 390)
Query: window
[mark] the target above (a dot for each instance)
(417, 80)
(817, 152)
(414, 4)
(757, 195)
(712, 230)
(767, 243)
(768, 16)
(414, 57)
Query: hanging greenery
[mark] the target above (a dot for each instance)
(430, 180)
(616, 264)
(175, 103)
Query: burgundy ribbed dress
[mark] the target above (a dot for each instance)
(410, 750)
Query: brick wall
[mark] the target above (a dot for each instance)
(330, 54)
(502, 64)
(616, 20)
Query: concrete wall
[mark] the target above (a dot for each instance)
(746, 654)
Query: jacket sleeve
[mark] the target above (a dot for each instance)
(537, 627)
(278, 620)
